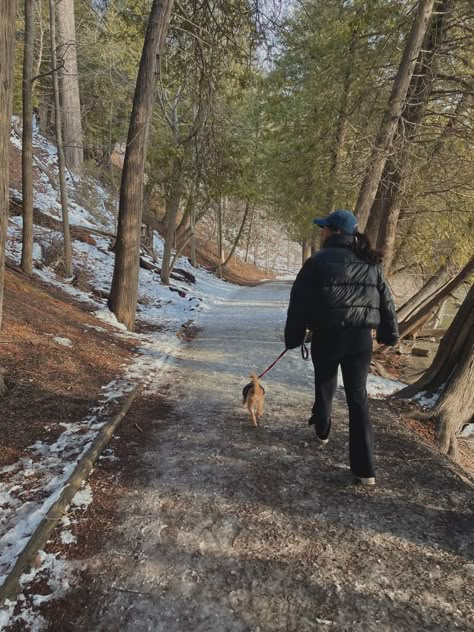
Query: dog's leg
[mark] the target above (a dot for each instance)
(252, 412)
(260, 408)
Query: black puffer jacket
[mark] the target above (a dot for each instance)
(336, 289)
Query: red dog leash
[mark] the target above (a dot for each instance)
(304, 355)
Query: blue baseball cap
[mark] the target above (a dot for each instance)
(342, 220)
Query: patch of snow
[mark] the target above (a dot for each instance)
(37, 252)
(83, 497)
(109, 317)
(428, 399)
(467, 431)
(58, 574)
(382, 387)
(62, 341)
(377, 387)
(68, 538)
(6, 613)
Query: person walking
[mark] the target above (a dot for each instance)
(340, 294)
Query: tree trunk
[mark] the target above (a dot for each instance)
(70, 98)
(452, 366)
(455, 406)
(220, 244)
(124, 290)
(306, 249)
(392, 113)
(7, 57)
(395, 170)
(439, 315)
(193, 236)
(424, 294)
(239, 235)
(448, 352)
(59, 144)
(389, 187)
(27, 142)
(315, 240)
(341, 127)
(412, 323)
(250, 234)
(172, 208)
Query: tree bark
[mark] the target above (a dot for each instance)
(70, 97)
(448, 352)
(412, 323)
(7, 57)
(124, 290)
(59, 144)
(27, 142)
(455, 406)
(452, 366)
(392, 113)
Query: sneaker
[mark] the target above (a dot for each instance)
(322, 441)
(369, 482)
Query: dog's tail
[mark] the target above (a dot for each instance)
(255, 382)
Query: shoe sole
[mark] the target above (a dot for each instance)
(367, 482)
(322, 441)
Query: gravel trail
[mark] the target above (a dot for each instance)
(234, 529)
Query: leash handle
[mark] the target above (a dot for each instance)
(304, 355)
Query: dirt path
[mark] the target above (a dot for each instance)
(224, 528)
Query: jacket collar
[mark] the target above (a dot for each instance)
(339, 241)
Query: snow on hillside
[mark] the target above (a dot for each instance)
(157, 304)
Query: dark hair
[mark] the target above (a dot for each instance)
(362, 247)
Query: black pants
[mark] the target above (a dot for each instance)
(352, 350)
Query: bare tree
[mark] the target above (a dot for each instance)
(124, 290)
(392, 113)
(59, 145)
(27, 142)
(70, 98)
(7, 57)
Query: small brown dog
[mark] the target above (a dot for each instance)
(253, 398)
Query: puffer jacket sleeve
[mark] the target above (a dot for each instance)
(299, 309)
(387, 331)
